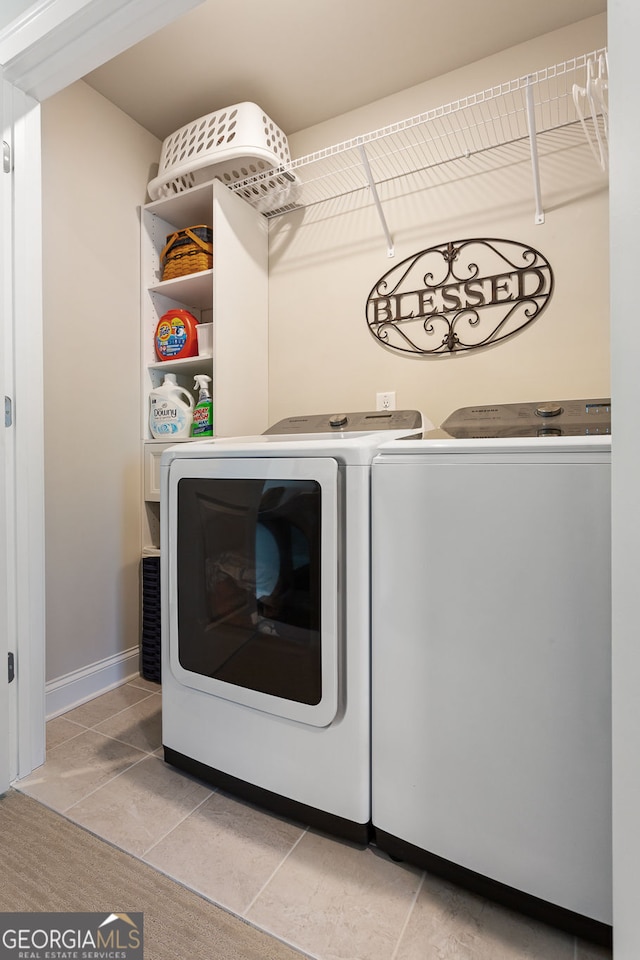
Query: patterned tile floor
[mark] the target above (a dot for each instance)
(330, 900)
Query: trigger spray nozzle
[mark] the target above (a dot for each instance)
(202, 382)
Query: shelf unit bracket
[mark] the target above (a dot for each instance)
(533, 145)
(376, 198)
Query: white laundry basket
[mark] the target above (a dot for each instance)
(232, 145)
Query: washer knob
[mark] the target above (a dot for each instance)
(548, 410)
(337, 420)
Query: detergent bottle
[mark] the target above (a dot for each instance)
(176, 335)
(202, 425)
(171, 410)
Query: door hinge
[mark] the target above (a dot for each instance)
(11, 672)
(6, 157)
(8, 412)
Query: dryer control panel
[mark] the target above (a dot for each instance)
(548, 418)
(371, 421)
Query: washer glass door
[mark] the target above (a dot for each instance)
(254, 552)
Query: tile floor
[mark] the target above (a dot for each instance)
(330, 900)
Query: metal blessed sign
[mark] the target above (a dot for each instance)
(459, 295)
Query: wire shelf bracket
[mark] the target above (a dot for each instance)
(376, 199)
(535, 164)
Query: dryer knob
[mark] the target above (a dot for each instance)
(548, 410)
(337, 420)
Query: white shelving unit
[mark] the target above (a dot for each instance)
(233, 295)
(524, 109)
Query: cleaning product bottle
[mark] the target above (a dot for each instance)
(202, 425)
(171, 410)
(176, 335)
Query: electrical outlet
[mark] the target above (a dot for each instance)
(386, 400)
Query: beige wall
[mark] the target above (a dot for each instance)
(96, 164)
(324, 263)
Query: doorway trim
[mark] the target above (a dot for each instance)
(51, 45)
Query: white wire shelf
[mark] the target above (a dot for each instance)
(552, 98)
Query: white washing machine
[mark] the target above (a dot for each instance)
(491, 656)
(265, 559)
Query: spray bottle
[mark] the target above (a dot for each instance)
(202, 425)
(171, 409)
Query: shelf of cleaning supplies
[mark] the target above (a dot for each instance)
(520, 110)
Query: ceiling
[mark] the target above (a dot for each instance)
(305, 61)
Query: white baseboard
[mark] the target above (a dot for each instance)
(64, 693)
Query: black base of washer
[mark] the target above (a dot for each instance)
(359, 833)
(567, 920)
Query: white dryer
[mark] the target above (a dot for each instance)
(491, 656)
(265, 558)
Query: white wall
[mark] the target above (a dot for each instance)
(324, 263)
(624, 25)
(12, 9)
(96, 164)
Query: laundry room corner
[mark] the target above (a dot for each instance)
(381, 638)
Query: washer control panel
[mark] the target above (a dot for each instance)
(367, 422)
(554, 418)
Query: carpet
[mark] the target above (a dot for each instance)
(50, 864)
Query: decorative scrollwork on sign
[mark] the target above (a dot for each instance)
(458, 296)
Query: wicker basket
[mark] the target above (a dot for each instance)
(187, 251)
(231, 144)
